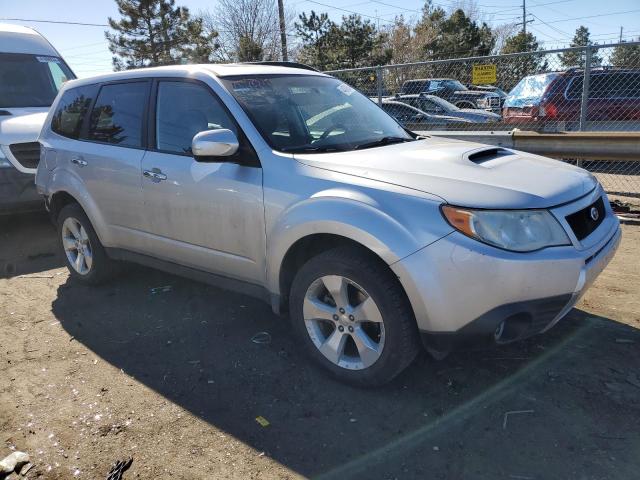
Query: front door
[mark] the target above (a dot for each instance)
(209, 214)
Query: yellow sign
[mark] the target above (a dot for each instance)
(483, 74)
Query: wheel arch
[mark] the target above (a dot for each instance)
(465, 104)
(62, 195)
(320, 224)
(306, 248)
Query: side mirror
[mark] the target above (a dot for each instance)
(214, 143)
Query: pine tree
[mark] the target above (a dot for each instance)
(511, 71)
(626, 56)
(156, 32)
(314, 32)
(577, 58)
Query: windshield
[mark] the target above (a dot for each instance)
(442, 103)
(455, 85)
(310, 113)
(30, 80)
(529, 90)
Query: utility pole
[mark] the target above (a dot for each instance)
(283, 31)
(620, 34)
(524, 17)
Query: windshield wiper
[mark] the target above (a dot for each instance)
(383, 141)
(324, 149)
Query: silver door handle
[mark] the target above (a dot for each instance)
(79, 161)
(154, 174)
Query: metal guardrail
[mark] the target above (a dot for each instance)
(613, 157)
(580, 89)
(602, 146)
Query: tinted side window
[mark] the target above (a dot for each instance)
(184, 109)
(575, 89)
(71, 111)
(600, 86)
(117, 114)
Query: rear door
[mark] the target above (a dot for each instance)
(108, 158)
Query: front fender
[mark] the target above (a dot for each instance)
(392, 233)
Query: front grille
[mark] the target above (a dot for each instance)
(582, 222)
(28, 154)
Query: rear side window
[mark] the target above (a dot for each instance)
(117, 115)
(72, 109)
(574, 91)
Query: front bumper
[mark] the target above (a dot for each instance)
(465, 291)
(18, 192)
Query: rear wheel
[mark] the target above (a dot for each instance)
(353, 316)
(85, 256)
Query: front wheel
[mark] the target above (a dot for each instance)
(353, 316)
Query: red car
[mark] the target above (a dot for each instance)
(614, 95)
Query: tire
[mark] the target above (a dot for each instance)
(389, 344)
(466, 105)
(96, 267)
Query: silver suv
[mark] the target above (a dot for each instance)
(290, 185)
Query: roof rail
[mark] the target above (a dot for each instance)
(283, 64)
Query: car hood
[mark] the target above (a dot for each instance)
(472, 93)
(22, 124)
(479, 113)
(446, 118)
(499, 178)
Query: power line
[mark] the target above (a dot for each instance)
(349, 11)
(525, 20)
(594, 16)
(56, 21)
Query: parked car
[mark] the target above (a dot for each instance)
(439, 106)
(488, 88)
(31, 72)
(453, 91)
(369, 237)
(614, 95)
(408, 114)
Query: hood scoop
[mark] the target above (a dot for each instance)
(481, 156)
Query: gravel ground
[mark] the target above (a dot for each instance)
(89, 376)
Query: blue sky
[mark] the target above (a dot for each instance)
(85, 48)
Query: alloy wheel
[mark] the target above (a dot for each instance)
(344, 322)
(77, 246)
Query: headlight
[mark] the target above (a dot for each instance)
(515, 230)
(4, 162)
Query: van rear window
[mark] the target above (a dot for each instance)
(30, 80)
(529, 90)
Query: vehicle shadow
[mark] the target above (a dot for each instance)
(28, 245)
(193, 344)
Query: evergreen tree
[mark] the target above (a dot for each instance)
(577, 58)
(314, 32)
(511, 71)
(156, 32)
(626, 56)
(248, 50)
(458, 36)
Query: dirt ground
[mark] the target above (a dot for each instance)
(92, 375)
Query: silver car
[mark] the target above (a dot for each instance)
(290, 185)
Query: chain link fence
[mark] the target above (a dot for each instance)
(595, 88)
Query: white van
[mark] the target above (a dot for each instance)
(31, 73)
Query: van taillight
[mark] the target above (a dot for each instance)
(548, 110)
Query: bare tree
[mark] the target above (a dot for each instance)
(248, 29)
